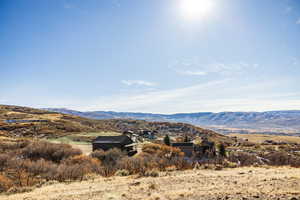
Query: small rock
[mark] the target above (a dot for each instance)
(135, 183)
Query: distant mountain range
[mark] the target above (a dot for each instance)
(271, 121)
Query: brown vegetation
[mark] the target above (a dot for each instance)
(29, 163)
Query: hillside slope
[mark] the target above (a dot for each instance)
(28, 122)
(234, 184)
(255, 120)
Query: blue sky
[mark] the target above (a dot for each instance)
(148, 56)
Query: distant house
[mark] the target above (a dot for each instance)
(122, 142)
(190, 149)
(186, 147)
(206, 149)
(148, 134)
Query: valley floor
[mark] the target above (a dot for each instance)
(239, 183)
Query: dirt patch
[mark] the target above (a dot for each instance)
(259, 138)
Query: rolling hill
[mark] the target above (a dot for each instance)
(225, 122)
(18, 121)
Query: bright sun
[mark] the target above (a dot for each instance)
(196, 9)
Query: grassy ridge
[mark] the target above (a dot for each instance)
(61, 125)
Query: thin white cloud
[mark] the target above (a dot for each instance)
(213, 96)
(139, 83)
(298, 21)
(195, 67)
(192, 73)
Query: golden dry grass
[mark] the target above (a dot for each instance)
(239, 183)
(85, 148)
(259, 138)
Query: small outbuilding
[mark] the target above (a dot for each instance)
(122, 142)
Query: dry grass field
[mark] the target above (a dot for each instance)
(239, 183)
(259, 138)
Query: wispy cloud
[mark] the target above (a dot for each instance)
(156, 101)
(298, 21)
(138, 82)
(213, 96)
(192, 73)
(199, 98)
(195, 67)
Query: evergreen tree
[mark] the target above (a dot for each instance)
(186, 138)
(222, 150)
(167, 140)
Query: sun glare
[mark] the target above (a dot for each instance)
(196, 9)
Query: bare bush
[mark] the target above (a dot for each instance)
(109, 160)
(49, 151)
(282, 158)
(3, 161)
(89, 164)
(243, 159)
(5, 183)
(11, 146)
(122, 172)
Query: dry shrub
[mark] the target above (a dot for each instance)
(228, 164)
(122, 172)
(27, 164)
(49, 151)
(11, 146)
(152, 173)
(109, 160)
(14, 190)
(295, 162)
(89, 164)
(278, 158)
(165, 156)
(244, 159)
(162, 150)
(3, 161)
(70, 172)
(44, 169)
(282, 158)
(132, 164)
(108, 157)
(18, 170)
(5, 183)
(154, 157)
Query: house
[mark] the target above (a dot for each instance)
(205, 149)
(148, 134)
(186, 147)
(122, 142)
